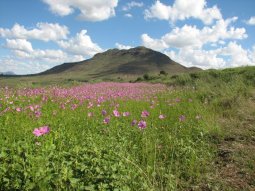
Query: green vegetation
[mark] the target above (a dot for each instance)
(112, 65)
(229, 96)
(204, 142)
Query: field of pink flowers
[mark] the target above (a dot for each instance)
(105, 136)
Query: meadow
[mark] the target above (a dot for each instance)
(189, 132)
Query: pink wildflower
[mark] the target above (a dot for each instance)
(142, 124)
(106, 120)
(38, 114)
(116, 113)
(90, 114)
(134, 122)
(31, 108)
(41, 131)
(62, 106)
(18, 109)
(104, 112)
(74, 106)
(126, 114)
(182, 118)
(145, 113)
(161, 116)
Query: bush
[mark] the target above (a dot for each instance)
(146, 76)
(162, 72)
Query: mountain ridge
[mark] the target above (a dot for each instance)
(113, 62)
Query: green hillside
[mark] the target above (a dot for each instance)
(113, 64)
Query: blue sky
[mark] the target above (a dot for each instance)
(36, 35)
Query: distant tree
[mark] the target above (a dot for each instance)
(162, 72)
(146, 76)
(139, 79)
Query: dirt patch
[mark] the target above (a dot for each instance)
(235, 161)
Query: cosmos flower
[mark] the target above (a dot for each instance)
(106, 120)
(142, 124)
(145, 113)
(161, 116)
(38, 114)
(18, 109)
(116, 113)
(134, 122)
(104, 112)
(41, 131)
(126, 114)
(182, 118)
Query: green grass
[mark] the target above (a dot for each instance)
(82, 153)
(214, 152)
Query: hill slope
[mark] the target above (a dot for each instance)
(114, 62)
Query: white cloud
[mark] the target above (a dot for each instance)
(19, 44)
(156, 44)
(191, 36)
(23, 49)
(183, 9)
(186, 45)
(21, 66)
(132, 4)
(96, 10)
(252, 55)
(197, 57)
(121, 46)
(81, 44)
(22, 62)
(181, 37)
(250, 21)
(44, 31)
(26, 60)
(232, 55)
(128, 15)
(73, 49)
(238, 55)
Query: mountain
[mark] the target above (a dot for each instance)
(8, 73)
(119, 63)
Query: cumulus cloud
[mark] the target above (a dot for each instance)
(21, 66)
(156, 44)
(232, 55)
(71, 49)
(131, 5)
(197, 57)
(22, 62)
(183, 9)
(19, 44)
(81, 44)
(43, 31)
(191, 36)
(186, 45)
(238, 55)
(128, 15)
(23, 49)
(250, 21)
(121, 46)
(96, 10)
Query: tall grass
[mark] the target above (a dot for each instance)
(82, 152)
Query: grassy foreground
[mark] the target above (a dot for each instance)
(194, 133)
